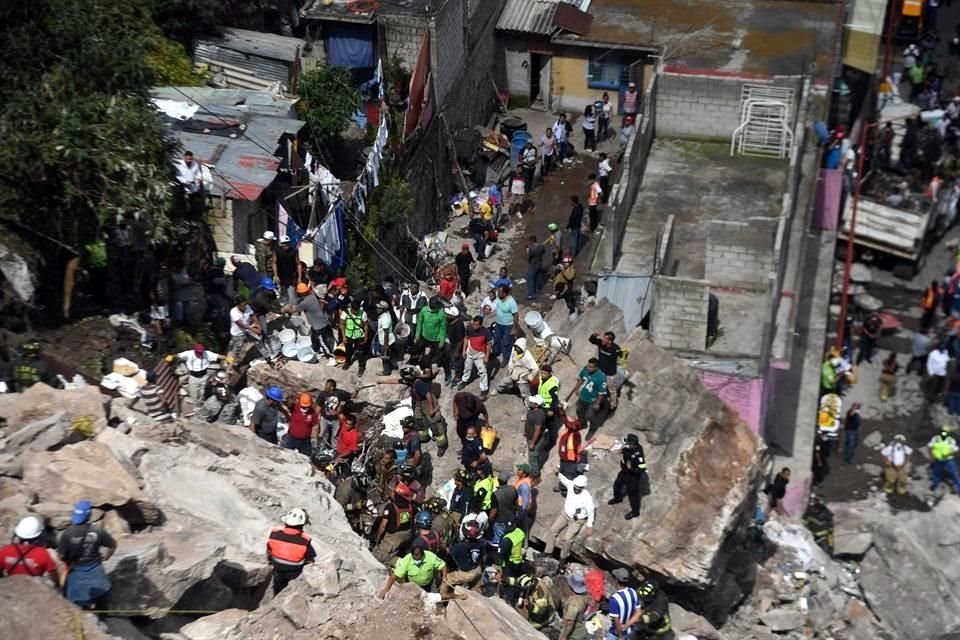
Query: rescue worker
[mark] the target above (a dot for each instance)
(932, 297)
(30, 367)
(421, 566)
(443, 521)
(352, 496)
(426, 411)
(386, 474)
(304, 426)
(485, 485)
(549, 390)
(569, 450)
(467, 557)
(896, 463)
(943, 447)
(819, 520)
(220, 403)
(356, 333)
(289, 549)
(564, 287)
(86, 584)
(408, 476)
(578, 513)
(412, 452)
(26, 555)
(574, 604)
(266, 414)
(652, 617)
(521, 369)
(632, 479)
(511, 561)
(197, 361)
(264, 254)
(536, 602)
(462, 495)
(475, 513)
(424, 531)
(396, 524)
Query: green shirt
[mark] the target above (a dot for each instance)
(421, 574)
(432, 325)
(828, 376)
(593, 385)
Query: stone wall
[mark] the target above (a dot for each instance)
(678, 316)
(402, 35)
(707, 106)
(741, 254)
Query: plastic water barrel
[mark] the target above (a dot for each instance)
(510, 125)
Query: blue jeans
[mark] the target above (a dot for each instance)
(533, 280)
(849, 445)
(941, 467)
(503, 340)
(574, 242)
(953, 403)
(562, 145)
(479, 245)
(499, 528)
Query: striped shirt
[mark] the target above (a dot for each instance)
(623, 604)
(152, 402)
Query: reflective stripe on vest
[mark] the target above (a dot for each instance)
(546, 386)
(942, 448)
(487, 484)
(568, 451)
(403, 516)
(288, 546)
(516, 546)
(353, 326)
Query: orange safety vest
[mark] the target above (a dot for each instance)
(930, 298)
(288, 546)
(519, 483)
(935, 181)
(912, 8)
(593, 196)
(569, 448)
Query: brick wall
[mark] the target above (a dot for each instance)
(703, 106)
(678, 315)
(402, 35)
(740, 254)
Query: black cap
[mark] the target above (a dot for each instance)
(546, 367)
(632, 439)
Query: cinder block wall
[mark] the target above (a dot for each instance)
(678, 316)
(740, 254)
(403, 34)
(704, 106)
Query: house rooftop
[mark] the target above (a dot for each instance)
(256, 43)
(345, 11)
(544, 17)
(775, 37)
(237, 132)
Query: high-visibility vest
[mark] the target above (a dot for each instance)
(546, 386)
(516, 538)
(288, 546)
(489, 484)
(519, 483)
(569, 447)
(912, 8)
(930, 298)
(353, 326)
(942, 448)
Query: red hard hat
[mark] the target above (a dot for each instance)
(403, 491)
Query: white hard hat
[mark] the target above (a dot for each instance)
(535, 400)
(29, 528)
(580, 481)
(269, 235)
(284, 238)
(451, 311)
(296, 518)
(222, 375)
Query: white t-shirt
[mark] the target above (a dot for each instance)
(604, 168)
(385, 324)
(242, 316)
(937, 363)
(189, 175)
(896, 453)
(607, 110)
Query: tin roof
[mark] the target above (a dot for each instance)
(348, 11)
(255, 43)
(536, 16)
(237, 132)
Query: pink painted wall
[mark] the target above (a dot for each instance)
(745, 395)
(826, 206)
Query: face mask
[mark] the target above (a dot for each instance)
(471, 439)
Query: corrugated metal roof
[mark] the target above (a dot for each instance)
(260, 67)
(534, 16)
(256, 43)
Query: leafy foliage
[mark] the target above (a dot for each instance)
(327, 102)
(170, 63)
(389, 207)
(80, 142)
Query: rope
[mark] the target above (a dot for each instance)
(479, 633)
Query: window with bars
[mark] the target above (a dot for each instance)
(605, 72)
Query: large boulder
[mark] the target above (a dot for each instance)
(84, 406)
(480, 618)
(704, 462)
(911, 574)
(32, 608)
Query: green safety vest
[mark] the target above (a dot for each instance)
(828, 376)
(489, 484)
(516, 538)
(942, 448)
(353, 326)
(546, 386)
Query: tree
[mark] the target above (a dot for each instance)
(81, 145)
(327, 102)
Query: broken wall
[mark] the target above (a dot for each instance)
(740, 254)
(678, 315)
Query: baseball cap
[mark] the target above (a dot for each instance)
(621, 574)
(577, 584)
(525, 468)
(81, 512)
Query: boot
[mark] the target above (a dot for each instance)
(614, 500)
(631, 515)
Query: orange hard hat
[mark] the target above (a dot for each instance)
(306, 400)
(303, 289)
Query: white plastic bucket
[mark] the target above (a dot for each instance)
(290, 350)
(534, 320)
(304, 341)
(287, 335)
(306, 354)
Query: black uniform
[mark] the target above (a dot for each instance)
(632, 478)
(28, 371)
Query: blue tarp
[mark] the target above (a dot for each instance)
(349, 45)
